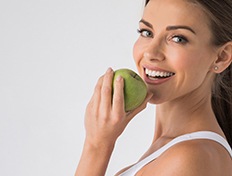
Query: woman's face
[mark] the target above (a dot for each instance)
(173, 53)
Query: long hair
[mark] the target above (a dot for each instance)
(219, 12)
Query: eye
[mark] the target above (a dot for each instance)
(179, 39)
(145, 33)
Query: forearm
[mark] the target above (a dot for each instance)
(105, 120)
(94, 160)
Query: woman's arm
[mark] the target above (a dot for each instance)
(105, 120)
(94, 160)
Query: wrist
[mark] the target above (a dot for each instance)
(99, 147)
(95, 156)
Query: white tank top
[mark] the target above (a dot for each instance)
(186, 137)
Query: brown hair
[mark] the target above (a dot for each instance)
(219, 12)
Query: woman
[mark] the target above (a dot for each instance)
(184, 54)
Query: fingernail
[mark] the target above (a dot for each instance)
(150, 96)
(118, 78)
(109, 70)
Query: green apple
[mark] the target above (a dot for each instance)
(135, 90)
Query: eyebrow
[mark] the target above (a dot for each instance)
(180, 27)
(169, 28)
(146, 23)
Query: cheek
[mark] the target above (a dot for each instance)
(185, 59)
(137, 52)
(178, 60)
(193, 67)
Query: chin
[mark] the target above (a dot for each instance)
(155, 100)
(159, 97)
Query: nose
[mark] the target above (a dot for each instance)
(154, 51)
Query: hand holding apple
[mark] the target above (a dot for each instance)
(135, 90)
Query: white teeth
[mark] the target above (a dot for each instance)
(158, 73)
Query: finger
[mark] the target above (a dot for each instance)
(96, 97)
(134, 112)
(106, 90)
(118, 96)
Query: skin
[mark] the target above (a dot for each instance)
(183, 102)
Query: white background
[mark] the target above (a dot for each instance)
(51, 55)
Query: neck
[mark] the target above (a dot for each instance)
(183, 116)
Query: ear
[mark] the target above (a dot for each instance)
(224, 58)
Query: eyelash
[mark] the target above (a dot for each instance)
(149, 34)
(183, 39)
(141, 31)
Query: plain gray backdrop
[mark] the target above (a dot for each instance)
(51, 54)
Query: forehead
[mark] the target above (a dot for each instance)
(175, 11)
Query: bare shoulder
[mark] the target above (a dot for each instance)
(192, 158)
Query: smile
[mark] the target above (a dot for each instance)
(152, 74)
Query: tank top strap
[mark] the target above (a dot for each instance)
(186, 137)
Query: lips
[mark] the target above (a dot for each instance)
(157, 76)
